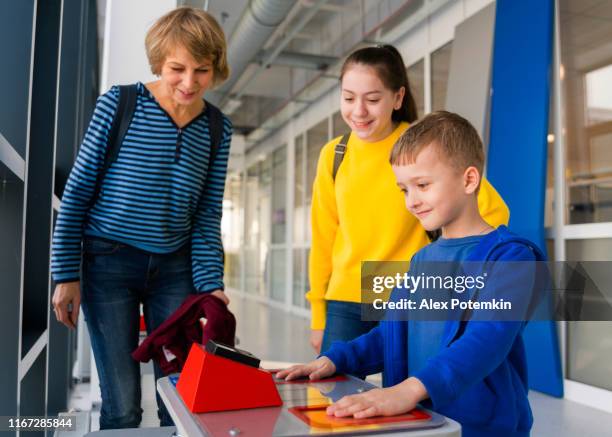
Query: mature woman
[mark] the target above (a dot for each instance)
(151, 233)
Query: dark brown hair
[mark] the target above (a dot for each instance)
(456, 140)
(389, 65)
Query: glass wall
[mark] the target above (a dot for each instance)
(307, 149)
(258, 227)
(440, 67)
(279, 199)
(264, 203)
(316, 138)
(586, 81)
(299, 192)
(550, 173)
(589, 344)
(416, 79)
(278, 269)
(252, 231)
(279, 224)
(300, 277)
(299, 223)
(232, 230)
(589, 141)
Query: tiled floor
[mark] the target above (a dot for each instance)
(555, 417)
(273, 334)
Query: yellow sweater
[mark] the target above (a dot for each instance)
(363, 217)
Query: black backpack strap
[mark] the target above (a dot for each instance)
(339, 155)
(215, 120)
(215, 125)
(121, 123)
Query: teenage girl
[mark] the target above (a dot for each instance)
(360, 215)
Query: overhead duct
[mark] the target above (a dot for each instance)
(298, 60)
(258, 22)
(397, 25)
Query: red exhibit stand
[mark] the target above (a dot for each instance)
(212, 383)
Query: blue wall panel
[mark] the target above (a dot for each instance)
(517, 155)
(16, 20)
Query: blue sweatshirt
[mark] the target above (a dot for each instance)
(157, 195)
(479, 375)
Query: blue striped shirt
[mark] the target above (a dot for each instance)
(155, 196)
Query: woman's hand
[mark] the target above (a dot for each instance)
(317, 369)
(390, 401)
(221, 295)
(66, 303)
(316, 339)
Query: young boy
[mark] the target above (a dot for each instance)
(474, 372)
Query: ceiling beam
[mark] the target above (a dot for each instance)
(298, 60)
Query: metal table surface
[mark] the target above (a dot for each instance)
(280, 422)
(165, 431)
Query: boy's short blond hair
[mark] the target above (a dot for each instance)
(456, 140)
(195, 30)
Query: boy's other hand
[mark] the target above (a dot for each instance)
(316, 339)
(390, 401)
(317, 369)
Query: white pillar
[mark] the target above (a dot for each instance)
(124, 60)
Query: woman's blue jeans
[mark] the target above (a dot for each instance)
(116, 278)
(343, 323)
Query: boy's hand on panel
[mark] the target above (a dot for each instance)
(317, 369)
(390, 401)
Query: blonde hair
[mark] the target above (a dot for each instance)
(456, 140)
(195, 30)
